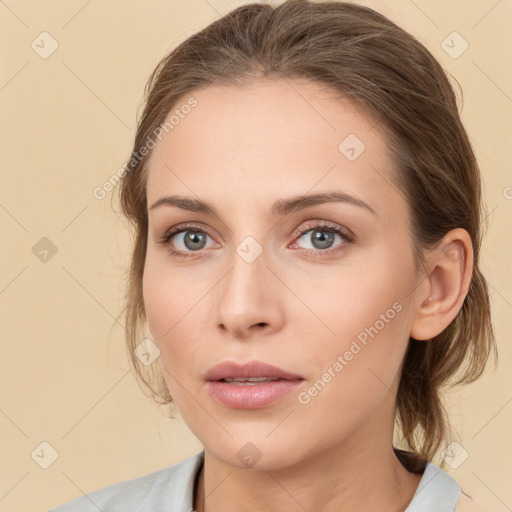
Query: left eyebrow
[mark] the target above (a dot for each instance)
(286, 206)
(280, 208)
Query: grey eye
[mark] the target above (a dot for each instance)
(319, 238)
(191, 240)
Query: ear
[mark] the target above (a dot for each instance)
(446, 285)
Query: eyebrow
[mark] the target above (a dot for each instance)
(280, 208)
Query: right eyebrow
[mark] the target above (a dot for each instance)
(185, 203)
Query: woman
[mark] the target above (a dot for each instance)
(307, 214)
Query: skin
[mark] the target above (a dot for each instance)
(240, 150)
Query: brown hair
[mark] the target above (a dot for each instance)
(366, 57)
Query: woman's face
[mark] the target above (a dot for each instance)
(245, 284)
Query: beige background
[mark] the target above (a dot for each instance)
(67, 125)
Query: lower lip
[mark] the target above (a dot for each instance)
(251, 396)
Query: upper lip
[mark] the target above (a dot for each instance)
(230, 370)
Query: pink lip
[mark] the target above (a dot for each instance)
(230, 370)
(250, 396)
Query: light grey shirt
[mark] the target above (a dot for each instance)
(172, 490)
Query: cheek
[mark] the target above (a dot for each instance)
(343, 302)
(361, 316)
(157, 303)
(165, 317)
(170, 295)
(176, 315)
(354, 369)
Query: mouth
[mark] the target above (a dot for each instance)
(251, 386)
(249, 381)
(230, 371)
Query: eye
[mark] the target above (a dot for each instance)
(321, 237)
(188, 237)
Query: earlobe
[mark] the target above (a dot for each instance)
(448, 283)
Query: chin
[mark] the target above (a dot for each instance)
(258, 451)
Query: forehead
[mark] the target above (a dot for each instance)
(269, 138)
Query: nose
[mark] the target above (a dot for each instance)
(249, 299)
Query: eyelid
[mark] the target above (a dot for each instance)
(180, 228)
(317, 224)
(327, 226)
(348, 238)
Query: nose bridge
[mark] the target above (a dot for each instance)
(247, 275)
(247, 296)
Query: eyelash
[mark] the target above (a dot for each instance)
(318, 226)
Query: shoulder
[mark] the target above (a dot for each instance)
(170, 486)
(436, 491)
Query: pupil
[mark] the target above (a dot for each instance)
(324, 238)
(194, 237)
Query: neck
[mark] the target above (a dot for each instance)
(333, 480)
